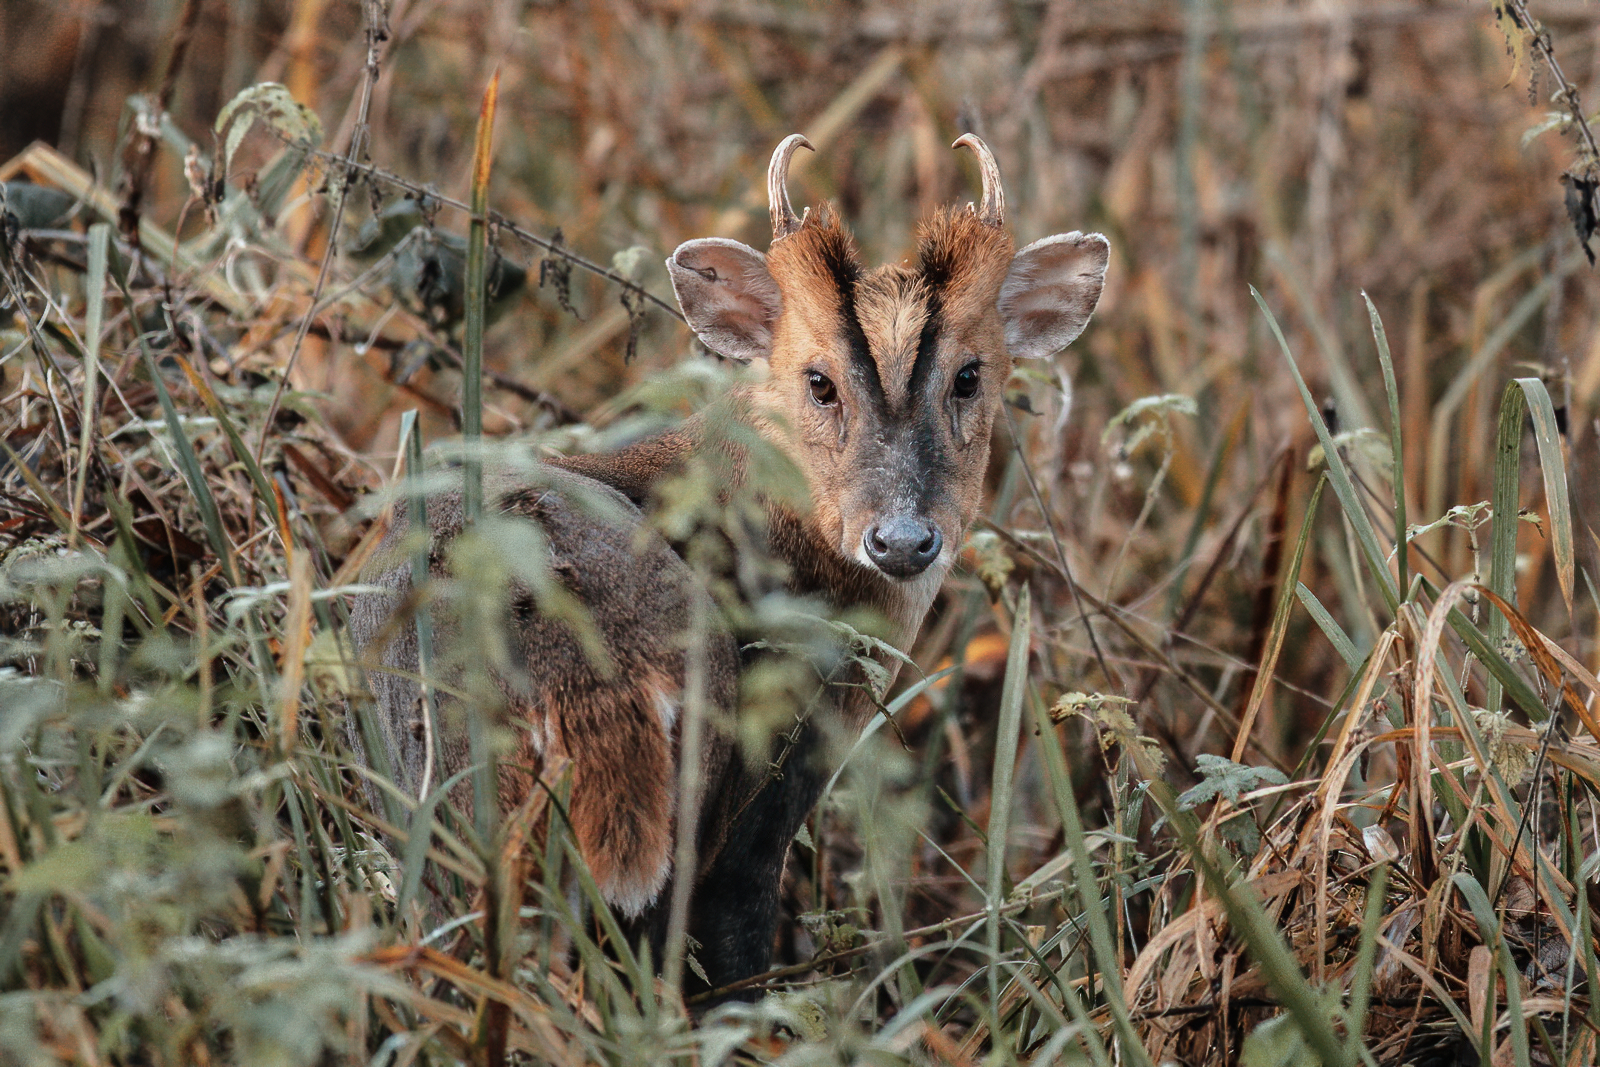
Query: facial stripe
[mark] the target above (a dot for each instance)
(927, 347)
(846, 272)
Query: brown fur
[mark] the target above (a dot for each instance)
(898, 442)
(607, 723)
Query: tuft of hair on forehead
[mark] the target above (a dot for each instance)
(956, 250)
(821, 248)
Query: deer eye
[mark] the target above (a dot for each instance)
(967, 381)
(823, 393)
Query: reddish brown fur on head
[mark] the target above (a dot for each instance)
(884, 382)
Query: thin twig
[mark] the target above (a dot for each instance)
(499, 222)
(1061, 555)
(377, 12)
(867, 947)
(1567, 94)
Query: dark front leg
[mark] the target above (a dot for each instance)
(734, 913)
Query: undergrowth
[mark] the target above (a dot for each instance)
(1220, 750)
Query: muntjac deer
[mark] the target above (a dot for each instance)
(881, 385)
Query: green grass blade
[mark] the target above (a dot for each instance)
(1087, 886)
(1503, 535)
(1338, 473)
(1508, 465)
(1279, 627)
(94, 291)
(1005, 761)
(417, 515)
(1278, 964)
(1489, 931)
(414, 856)
(241, 451)
(193, 473)
(1330, 627)
(1398, 470)
(1367, 954)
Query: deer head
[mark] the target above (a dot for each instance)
(885, 382)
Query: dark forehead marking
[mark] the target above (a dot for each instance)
(839, 260)
(927, 345)
(937, 262)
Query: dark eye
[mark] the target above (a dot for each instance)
(966, 384)
(823, 392)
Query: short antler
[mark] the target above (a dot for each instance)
(784, 220)
(992, 212)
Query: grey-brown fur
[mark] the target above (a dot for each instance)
(557, 700)
(882, 386)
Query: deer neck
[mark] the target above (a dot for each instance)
(815, 567)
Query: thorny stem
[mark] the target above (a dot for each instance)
(498, 222)
(377, 12)
(1568, 92)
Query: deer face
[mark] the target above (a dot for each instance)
(884, 383)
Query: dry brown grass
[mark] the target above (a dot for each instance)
(1313, 151)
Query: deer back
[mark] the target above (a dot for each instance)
(611, 710)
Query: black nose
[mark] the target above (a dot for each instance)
(903, 546)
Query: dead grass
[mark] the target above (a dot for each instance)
(193, 873)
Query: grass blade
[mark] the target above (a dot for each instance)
(1338, 472)
(1530, 395)
(1489, 930)
(477, 298)
(94, 318)
(193, 473)
(1279, 627)
(1005, 762)
(1398, 475)
(1330, 628)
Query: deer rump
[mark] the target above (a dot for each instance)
(618, 727)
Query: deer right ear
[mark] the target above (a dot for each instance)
(727, 295)
(1051, 291)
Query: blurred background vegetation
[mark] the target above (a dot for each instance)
(1313, 150)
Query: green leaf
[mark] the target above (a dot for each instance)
(1223, 777)
(272, 104)
(1277, 1043)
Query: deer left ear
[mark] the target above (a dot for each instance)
(728, 296)
(1051, 291)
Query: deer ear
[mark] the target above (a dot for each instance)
(727, 295)
(1051, 290)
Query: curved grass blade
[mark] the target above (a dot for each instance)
(1338, 473)
(1005, 763)
(1398, 476)
(1530, 395)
